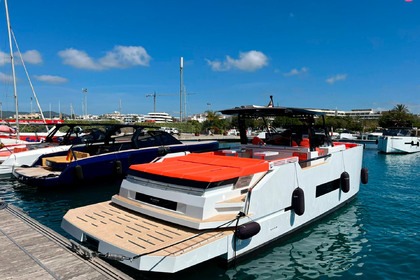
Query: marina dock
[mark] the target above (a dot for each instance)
(32, 251)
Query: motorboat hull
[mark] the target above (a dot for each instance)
(99, 167)
(117, 226)
(27, 158)
(398, 144)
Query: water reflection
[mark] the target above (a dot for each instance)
(400, 166)
(329, 248)
(49, 206)
(392, 216)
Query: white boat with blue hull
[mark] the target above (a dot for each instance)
(105, 153)
(183, 210)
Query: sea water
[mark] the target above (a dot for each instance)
(376, 236)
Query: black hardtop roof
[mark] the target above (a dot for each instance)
(72, 124)
(111, 128)
(260, 111)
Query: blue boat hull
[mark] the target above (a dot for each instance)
(109, 166)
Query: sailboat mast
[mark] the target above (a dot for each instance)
(13, 69)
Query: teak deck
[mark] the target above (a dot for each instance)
(137, 234)
(38, 171)
(30, 250)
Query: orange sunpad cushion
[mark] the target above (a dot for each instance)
(204, 167)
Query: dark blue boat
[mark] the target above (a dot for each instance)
(90, 161)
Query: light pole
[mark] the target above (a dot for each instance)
(181, 86)
(85, 91)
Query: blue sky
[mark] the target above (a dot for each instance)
(320, 54)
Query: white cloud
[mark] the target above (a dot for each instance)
(247, 61)
(295, 71)
(78, 59)
(4, 58)
(6, 78)
(125, 56)
(119, 57)
(338, 77)
(215, 65)
(31, 56)
(51, 79)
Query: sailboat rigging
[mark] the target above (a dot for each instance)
(11, 36)
(29, 80)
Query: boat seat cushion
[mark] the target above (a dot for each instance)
(204, 167)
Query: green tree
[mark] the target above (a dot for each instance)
(253, 123)
(416, 122)
(285, 121)
(399, 116)
(193, 126)
(214, 122)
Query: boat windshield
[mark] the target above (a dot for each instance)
(152, 138)
(397, 132)
(66, 134)
(298, 125)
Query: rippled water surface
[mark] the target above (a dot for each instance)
(376, 236)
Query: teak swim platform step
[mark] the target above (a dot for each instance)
(137, 234)
(33, 251)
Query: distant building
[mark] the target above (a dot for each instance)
(87, 117)
(124, 118)
(132, 118)
(198, 117)
(29, 116)
(113, 116)
(365, 114)
(156, 117)
(203, 117)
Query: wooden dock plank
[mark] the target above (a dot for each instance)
(16, 264)
(32, 251)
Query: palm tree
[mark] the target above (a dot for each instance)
(401, 109)
(212, 117)
(399, 116)
(214, 122)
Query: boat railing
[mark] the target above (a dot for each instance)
(313, 159)
(305, 156)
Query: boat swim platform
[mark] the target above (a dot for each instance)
(139, 234)
(37, 172)
(29, 250)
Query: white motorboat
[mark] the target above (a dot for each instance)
(11, 147)
(399, 141)
(58, 140)
(347, 136)
(27, 158)
(179, 211)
